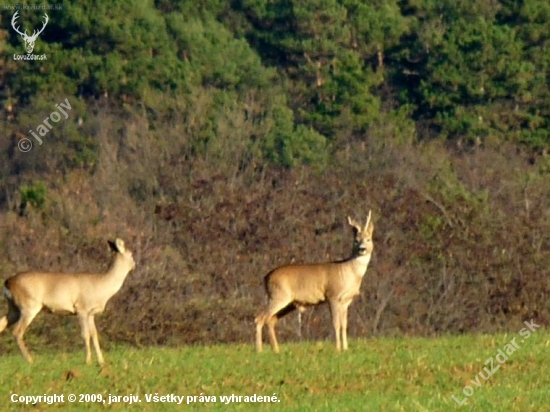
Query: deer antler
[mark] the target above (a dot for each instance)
(368, 220)
(15, 16)
(43, 26)
(25, 35)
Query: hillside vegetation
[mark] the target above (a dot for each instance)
(220, 139)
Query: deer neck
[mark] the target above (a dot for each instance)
(117, 273)
(358, 264)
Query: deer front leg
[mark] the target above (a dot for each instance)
(344, 319)
(95, 339)
(336, 322)
(85, 330)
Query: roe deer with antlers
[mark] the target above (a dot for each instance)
(83, 295)
(292, 287)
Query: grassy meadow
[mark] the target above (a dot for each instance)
(389, 374)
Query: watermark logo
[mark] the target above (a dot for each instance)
(501, 358)
(25, 144)
(29, 40)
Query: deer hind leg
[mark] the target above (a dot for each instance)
(259, 326)
(26, 316)
(260, 322)
(85, 331)
(275, 309)
(272, 321)
(95, 339)
(11, 318)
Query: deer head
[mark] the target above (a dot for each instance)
(29, 40)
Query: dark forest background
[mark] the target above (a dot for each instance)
(220, 139)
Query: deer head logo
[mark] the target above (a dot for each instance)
(29, 40)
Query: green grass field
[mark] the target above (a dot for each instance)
(387, 374)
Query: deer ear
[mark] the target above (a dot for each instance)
(354, 224)
(117, 245)
(120, 245)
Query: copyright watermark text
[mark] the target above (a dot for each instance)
(41, 6)
(501, 357)
(25, 144)
(148, 398)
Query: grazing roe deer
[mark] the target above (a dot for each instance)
(292, 287)
(83, 295)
